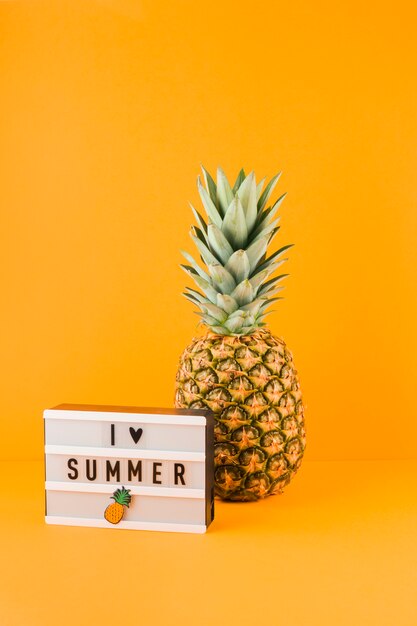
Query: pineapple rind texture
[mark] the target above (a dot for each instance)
(114, 513)
(251, 385)
(238, 369)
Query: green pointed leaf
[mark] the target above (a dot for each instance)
(235, 324)
(245, 189)
(272, 267)
(276, 205)
(209, 321)
(204, 284)
(191, 298)
(243, 293)
(224, 192)
(258, 279)
(263, 315)
(206, 288)
(267, 214)
(248, 320)
(219, 244)
(259, 187)
(247, 196)
(221, 278)
(238, 265)
(273, 257)
(237, 313)
(270, 284)
(240, 322)
(188, 270)
(219, 330)
(206, 254)
(239, 180)
(271, 292)
(199, 218)
(260, 275)
(267, 191)
(227, 303)
(209, 205)
(269, 301)
(197, 295)
(253, 307)
(267, 304)
(234, 224)
(200, 235)
(210, 185)
(273, 233)
(216, 312)
(194, 264)
(266, 230)
(256, 251)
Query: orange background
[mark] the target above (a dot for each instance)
(107, 108)
(337, 549)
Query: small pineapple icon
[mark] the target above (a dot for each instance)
(115, 511)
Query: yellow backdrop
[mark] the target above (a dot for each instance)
(108, 107)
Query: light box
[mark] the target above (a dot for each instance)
(129, 467)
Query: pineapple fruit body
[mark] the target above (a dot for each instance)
(251, 385)
(114, 513)
(240, 371)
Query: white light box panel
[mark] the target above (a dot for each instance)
(129, 467)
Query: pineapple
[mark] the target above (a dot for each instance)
(115, 511)
(238, 369)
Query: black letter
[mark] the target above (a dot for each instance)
(71, 463)
(94, 476)
(112, 434)
(179, 470)
(133, 471)
(113, 471)
(156, 473)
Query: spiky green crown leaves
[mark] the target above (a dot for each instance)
(122, 496)
(235, 288)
